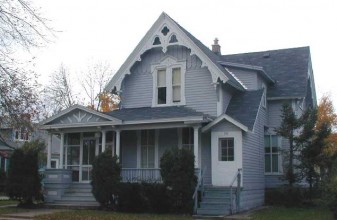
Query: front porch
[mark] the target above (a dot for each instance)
(139, 151)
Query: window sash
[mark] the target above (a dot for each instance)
(226, 149)
(147, 149)
(272, 154)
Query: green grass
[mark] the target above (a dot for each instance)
(98, 215)
(282, 213)
(8, 202)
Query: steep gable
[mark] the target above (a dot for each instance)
(166, 32)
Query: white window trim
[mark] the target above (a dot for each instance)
(280, 170)
(19, 135)
(168, 63)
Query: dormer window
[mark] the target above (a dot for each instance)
(168, 79)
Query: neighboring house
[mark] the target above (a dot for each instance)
(176, 92)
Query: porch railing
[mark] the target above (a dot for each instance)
(141, 175)
(237, 180)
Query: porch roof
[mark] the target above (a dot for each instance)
(156, 113)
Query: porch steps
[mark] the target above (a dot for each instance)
(215, 202)
(78, 195)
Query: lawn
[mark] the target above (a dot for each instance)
(281, 213)
(93, 215)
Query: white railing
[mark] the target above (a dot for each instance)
(199, 189)
(237, 179)
(133, 175)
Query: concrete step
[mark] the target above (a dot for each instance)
(213, 211)
(73, 204)
(78, 198)
(74, 190)
(215, 205)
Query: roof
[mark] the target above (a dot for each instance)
(214, 58)
(4, 145)
(149, 113)
(186, 39)
(244, 107)
(288, 67)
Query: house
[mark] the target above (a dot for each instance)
(176, 92)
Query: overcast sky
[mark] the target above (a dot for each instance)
(105, 30)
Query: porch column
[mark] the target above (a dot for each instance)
(103, 140)
(196, 145)
(61, 151)
(118, 142)
(49, 151)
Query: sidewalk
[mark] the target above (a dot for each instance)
(29, 214)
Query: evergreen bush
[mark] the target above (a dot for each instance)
(23, 181)
(177, 171)
(105, 179)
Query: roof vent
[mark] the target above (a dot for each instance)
(216, 48)
(266, 55)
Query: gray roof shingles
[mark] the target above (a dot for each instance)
(149, 113)
(244, 107)
(288, 67)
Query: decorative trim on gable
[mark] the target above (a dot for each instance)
(227, 118)
(157, 37)
(79, 116)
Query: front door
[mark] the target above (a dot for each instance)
(88, 153)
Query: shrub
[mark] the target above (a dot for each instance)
(156, 197)
(24, 182)
(177, 171)
(143, 197)
(105, 179)
(130, 198)
(285, 196)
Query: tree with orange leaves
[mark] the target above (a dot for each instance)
(327, 119)
(108, 101)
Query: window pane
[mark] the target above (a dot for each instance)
(274, 141)
(231, 152)
(267, 150)
(275, 163)
(267, 141)
(274, 149)
(267, 163)
(150, 155)
(150, 136)
(176, 76)
(143, 137)
(161, 78)
(176, 93)
(162, 95)
(144, 157)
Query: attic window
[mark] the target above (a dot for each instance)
(173, 39)
(165, 31)
(156, 41)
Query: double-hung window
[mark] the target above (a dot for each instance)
(226, 149)
(168, 82)
(147, 149)
(188, 138)
(272, 144)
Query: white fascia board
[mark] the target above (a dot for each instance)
(80, 107)
(78, 125)
(147, 43)
(164, 120)
(227, 118)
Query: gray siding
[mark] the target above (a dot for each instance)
(129, 149)
(198, 81)
(274, 113)
(168, 138)
(206, 161)
(247, 77)
(253, 163)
